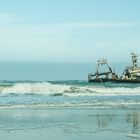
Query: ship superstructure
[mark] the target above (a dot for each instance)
(132, 72)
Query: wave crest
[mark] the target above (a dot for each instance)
(68, 90)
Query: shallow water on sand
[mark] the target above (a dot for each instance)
(76, 124)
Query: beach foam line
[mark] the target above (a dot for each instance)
(98, 105)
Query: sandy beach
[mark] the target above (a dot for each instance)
(69, 124)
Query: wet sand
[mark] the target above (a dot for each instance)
(69, 124)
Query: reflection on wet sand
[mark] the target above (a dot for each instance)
(134, 119)
(116, 124)
(103, 121)
(128, 122)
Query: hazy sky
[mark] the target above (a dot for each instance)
(69, 30)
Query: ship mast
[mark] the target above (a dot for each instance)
(134, 60)
(102, 62)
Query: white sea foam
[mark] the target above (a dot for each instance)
(37, 88)
(132, 135)
(68, 90)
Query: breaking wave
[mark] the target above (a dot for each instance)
(68, 90)
(68, 94)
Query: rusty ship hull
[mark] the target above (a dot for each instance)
(114, 81)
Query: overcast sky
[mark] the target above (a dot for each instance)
(69, 30)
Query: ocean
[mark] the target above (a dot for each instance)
(53, 102)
